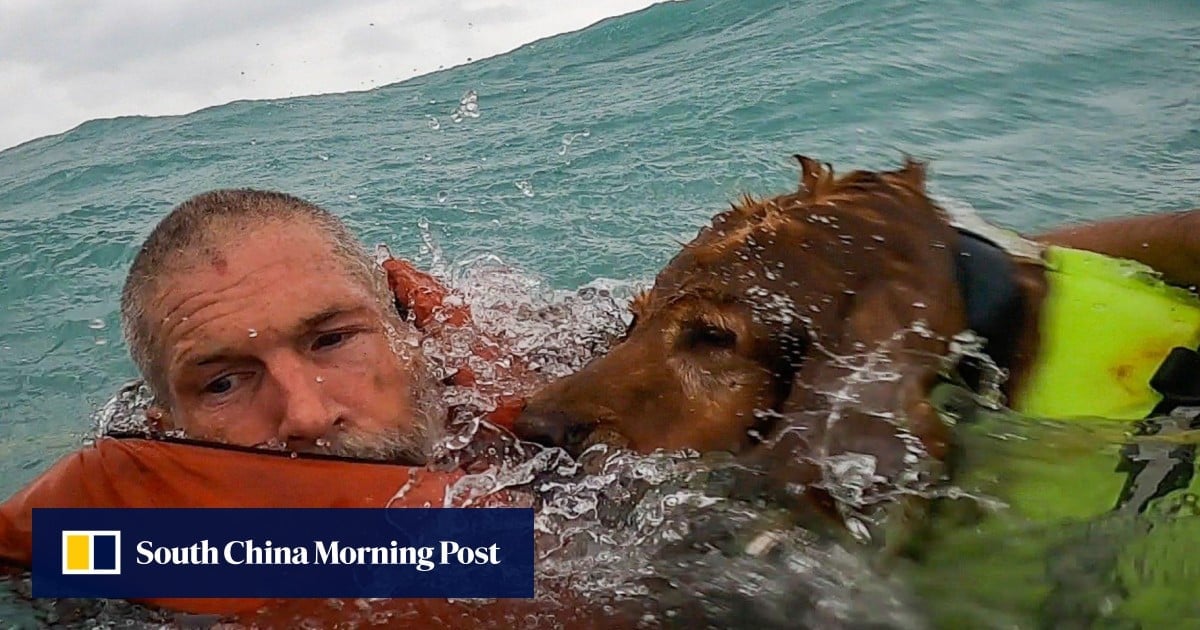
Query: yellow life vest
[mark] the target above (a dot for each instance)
(1107, 324)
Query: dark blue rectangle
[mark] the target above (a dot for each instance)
(104, 552)
(395, 552)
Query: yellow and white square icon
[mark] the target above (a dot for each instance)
(91, 552)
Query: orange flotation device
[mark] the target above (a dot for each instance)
(424, 297)
(146, 473)
(164, 473)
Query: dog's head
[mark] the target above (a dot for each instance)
(769, 313)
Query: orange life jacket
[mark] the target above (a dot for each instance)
(145, 473)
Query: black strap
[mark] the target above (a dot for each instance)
(1178, 380)
(987, 280)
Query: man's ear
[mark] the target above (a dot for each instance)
(158, 419)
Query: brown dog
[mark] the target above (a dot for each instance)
(828, 312)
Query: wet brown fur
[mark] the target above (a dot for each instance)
(853, 260)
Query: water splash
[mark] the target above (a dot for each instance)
(468, 107)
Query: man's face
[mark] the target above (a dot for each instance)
(270, 339)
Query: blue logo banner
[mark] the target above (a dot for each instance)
(252, 552)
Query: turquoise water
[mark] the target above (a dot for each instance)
(596, 152)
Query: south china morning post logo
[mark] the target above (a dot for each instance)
(91, 552)
(395, 552)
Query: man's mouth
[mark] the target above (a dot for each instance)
(388, 446)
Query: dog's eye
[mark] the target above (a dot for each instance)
(710, 336)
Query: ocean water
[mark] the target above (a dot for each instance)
(591, 155)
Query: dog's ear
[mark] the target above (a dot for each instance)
(915, 173)
(874, 376)
(879, 324)
(814, 176)
(868, 404)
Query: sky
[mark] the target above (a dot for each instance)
(63, 62)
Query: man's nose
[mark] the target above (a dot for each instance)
(308, 411)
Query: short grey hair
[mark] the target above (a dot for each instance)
(199, 226)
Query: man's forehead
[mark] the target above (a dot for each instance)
(260, 242)
(278, 273)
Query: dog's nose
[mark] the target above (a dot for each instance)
(552, 428)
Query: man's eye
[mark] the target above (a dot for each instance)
(220, 385)
(328, 340)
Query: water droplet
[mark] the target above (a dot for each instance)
(442, 196)
(569, 138)
(253, 333)
(96, 324)
(468, 107)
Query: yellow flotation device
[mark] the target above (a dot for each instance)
(1107, 324)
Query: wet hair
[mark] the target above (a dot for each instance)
(198, 227)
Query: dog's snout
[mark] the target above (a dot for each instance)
(552, 428)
